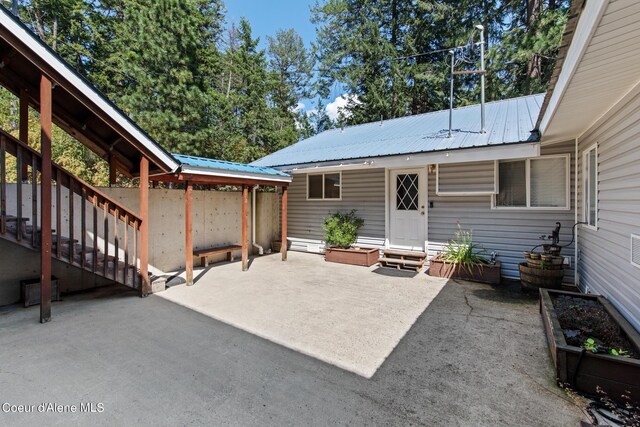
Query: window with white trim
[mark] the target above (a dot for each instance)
(537, 183)
(324, 186)
(590, 180)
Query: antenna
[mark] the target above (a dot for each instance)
(453, 59)
(466, 54)
(482, 116)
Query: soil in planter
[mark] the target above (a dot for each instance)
(581, 319)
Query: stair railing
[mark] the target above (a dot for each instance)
(110, 250)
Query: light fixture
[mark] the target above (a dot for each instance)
(432, 168)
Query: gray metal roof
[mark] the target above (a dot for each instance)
(507, 122)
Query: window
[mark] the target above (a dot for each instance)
(590, 193)
(324, 186)
(539, 183)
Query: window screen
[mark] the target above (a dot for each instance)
(332, 186)
(548, 182)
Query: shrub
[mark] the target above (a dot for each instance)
(463, 251)
(341, 229)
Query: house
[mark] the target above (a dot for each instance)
(53, 223)
(413, 185)
(571, 155)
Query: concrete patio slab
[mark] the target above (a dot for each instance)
(348, 316)
(476, 356)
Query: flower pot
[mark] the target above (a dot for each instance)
(535, 277)
(353, 256)
(484, 273)
(582, 369)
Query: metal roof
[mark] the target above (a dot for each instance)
(507, 122)
(222, 165)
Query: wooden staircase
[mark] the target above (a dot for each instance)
(90, 231)
(402, 259)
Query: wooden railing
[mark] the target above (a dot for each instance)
(110, 250)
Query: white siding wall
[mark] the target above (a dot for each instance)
(363, 190)
(508, 232)
(604, 255)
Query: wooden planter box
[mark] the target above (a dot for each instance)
(485, 273)
(584, 370)
(353, 256)
(30, 291)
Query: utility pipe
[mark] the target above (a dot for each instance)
(482, 68)
(253, 221)
(453, 58)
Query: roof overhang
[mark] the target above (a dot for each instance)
(78, 107)
(488, 153)
(597, 66)
(212, 176)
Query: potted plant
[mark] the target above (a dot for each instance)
(341, 233)
(593, 347)
(464, 259)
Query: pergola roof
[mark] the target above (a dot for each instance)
(79, 108)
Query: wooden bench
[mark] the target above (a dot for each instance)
(204, 253)
(402, 259)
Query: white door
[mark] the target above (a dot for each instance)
(407, 215)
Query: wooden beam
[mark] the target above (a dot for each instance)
(112, 170)
(145, 288)
(45, 194)
(283, 247)
(188, 231)
(245, 223)
(214, 180)
(24, 130)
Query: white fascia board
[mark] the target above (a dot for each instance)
(231, 174)
(493, 152)
(585, 29)
(90, 91)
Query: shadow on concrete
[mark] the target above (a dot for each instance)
(394, 272)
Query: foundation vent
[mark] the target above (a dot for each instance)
(635, 250)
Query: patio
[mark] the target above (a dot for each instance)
(476, 355)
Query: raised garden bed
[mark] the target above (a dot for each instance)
(353, 256)
(582, 332)
(485, 273)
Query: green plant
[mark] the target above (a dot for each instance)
(619, 352)
(590, 345)
(341, 229)
(463, 251)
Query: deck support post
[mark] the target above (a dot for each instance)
(283, 247)
(23, 135)
(45, 207)
(188, 225)
(145, 288)
(245, 234)
(112, 171)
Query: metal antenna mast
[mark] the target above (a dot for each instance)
(453, 60)
(483, 72)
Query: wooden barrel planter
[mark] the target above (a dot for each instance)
(534, 278)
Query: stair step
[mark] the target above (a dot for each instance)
(404, 254)
(401, 261)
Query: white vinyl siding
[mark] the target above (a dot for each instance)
(604, 265)
(506, 231)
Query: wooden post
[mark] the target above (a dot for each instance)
(283, 247)
(245, 234)
(145, 288)
(45, 194)
(112, 171)
(188, 232)
(23, 135)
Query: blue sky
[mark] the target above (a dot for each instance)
(267, 16)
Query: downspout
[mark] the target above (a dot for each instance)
(575, 209)
(253, 221)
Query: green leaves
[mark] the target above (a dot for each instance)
(463, 251)
(341, 229)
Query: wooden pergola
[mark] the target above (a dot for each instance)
(210, 172)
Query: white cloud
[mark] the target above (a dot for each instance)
(337, 106)
(299, 107)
